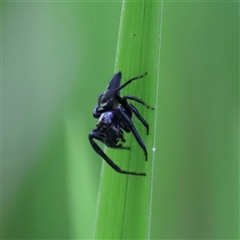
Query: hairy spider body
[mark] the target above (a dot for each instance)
(115, 117)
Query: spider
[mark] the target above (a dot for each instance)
(115, 116)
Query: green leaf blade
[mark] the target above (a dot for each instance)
(124, 200)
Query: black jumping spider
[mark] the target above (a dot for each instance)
(115, 116)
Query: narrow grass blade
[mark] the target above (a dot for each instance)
(124, 200)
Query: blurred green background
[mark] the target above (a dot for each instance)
(56, 59)
(196, 175)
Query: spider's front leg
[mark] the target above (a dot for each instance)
(95, 135)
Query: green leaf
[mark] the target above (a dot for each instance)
(124, 200)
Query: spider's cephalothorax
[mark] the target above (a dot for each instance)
(115, 117)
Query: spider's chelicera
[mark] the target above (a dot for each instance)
(114, 115)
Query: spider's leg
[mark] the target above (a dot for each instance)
(94, 135)
(135, 111)
(134, 131)
(129, 81)
(120, 146)
(137, 100)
